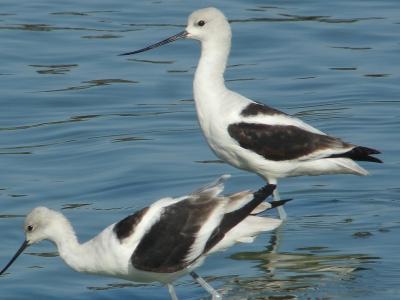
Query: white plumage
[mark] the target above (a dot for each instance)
(162, 242)
(251, 135)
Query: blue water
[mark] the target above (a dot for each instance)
(97, 136)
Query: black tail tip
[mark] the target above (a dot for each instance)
(360, 153)
(267, 188)
(367, 152)
(279, 202)
(374, 159)
(265, 191)
(371, 151)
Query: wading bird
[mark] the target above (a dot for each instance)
(250, 135)
(162, 242)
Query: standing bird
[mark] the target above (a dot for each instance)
(250, 135)
(162, 242)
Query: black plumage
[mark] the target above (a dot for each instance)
(233, 218)
(125, 227)
(254, 109)
(280, 142)
(165, 246)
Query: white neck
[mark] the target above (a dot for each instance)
(212, 63)
(209, 82)
(95, 256)
(71, 251)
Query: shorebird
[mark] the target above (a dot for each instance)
(162, 242)
(250, 135)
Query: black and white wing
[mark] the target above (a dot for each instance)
(187, 229)
(281, 137)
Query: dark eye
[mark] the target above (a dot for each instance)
(29, 228)
(201, 23)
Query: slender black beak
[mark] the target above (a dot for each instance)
(20, 250)
(180, 35)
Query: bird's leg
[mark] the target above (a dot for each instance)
(214, 294)
(281, 210)
(172, 292)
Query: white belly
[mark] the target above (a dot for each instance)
(227, 149)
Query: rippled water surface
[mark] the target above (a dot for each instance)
(97, 136)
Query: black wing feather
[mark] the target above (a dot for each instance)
(164, 247)
(280, 142)
(125, 227)
(233, 218)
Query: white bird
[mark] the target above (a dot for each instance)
(162, 242)
(250, 135)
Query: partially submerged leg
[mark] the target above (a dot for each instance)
(215, 295)
(281, 210)
(172, 292)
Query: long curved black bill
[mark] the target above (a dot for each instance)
(180, 35)
(20, 250)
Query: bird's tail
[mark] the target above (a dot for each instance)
(360, 153)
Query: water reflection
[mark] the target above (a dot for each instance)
(157, 25)
(111, 286)
(210, 161)
(44, 254)
(318, 112)
(83, 13)
(284, 275)
(82, 118)
(242, 79)
(74, 205)
(11, 216)
(262, 8)
(351, 48)
(289, 272)
(377, 75)
(298, 18)
(240, 65)
(54, 69)
(89, 84)
(22, 127)
(343, 68)
(177, 71)
(47, 27)
(130, 139)
(102, 36)
(151, 61)
(69, 13)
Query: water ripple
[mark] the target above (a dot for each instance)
(298, 18)
(54, 69)
(90, 84)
